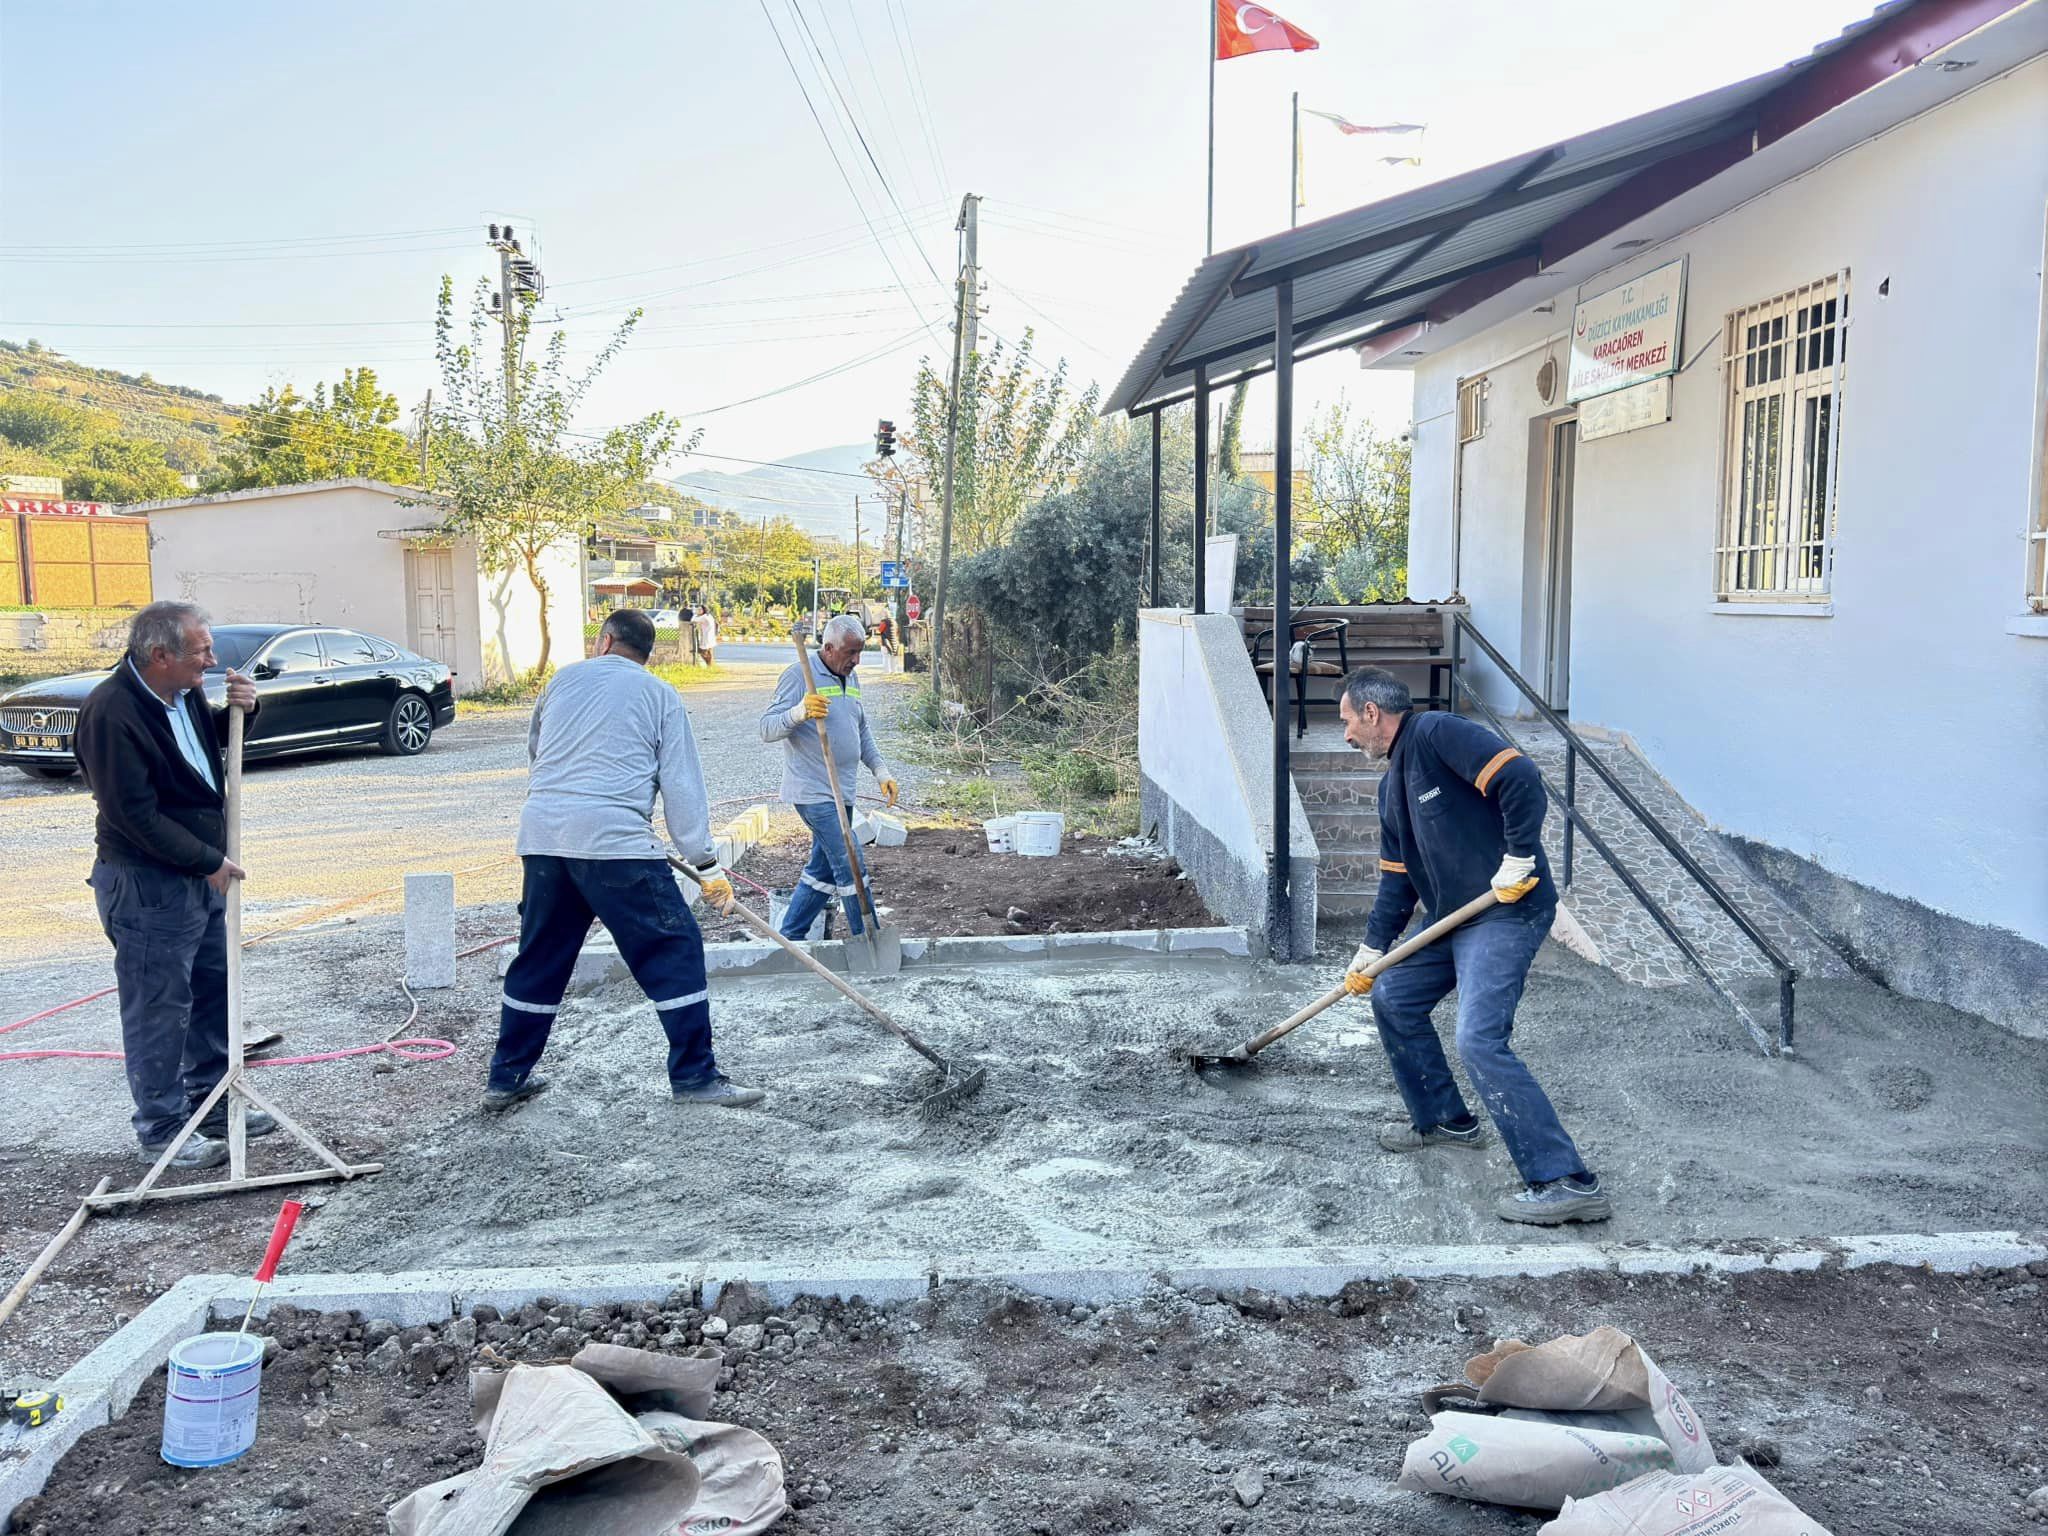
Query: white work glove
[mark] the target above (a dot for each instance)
(1356, 981)
(1515, 878)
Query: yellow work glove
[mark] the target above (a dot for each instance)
(889, 792)
(813, 707)
(718, 892)
(1515, 878)
(1356, 980)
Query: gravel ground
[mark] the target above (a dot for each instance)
(1884, 1402)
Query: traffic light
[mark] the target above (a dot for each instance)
(885, 439)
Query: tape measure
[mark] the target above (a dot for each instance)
(33, 1409)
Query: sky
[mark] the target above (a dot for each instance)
(233, 195)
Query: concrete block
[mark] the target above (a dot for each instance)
(1151, 941)
(727, 849)
(587, 1285)
(1946, 1252)
(980, 950)
(408, 1299)
(1208, 941)
(746, 958)
(599, 965)
(113, 1373)
(429, 930)
(903, 1280)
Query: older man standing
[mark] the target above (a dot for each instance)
(1461, 810)
(605, 735)
(795, 718)
(147, 745)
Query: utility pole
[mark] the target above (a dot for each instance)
(856, 547)
(969, 301)
(426, 435)
(519, 280)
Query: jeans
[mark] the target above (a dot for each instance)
(638, 902)
(1487, 961)
(829, 873)
(169, 932)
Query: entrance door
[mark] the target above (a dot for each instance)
(430, 602)
(1557, 595)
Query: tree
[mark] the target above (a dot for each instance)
(507, 466)
(1230, 450)
(1356, 510)
(1021, 435)
(341, 434)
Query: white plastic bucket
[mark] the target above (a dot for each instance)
(1039, 833)
(778, 904)
(1001, 833)
(210, 1402)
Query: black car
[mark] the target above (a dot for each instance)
(320, 686)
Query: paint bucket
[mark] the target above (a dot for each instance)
(1039, 833)
(211, 1399)
(778, 904)
(1001, 833)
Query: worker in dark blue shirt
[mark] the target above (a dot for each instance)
(1460, 810)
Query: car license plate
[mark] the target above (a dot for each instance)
(41, 742)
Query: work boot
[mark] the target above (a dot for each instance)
(254, 1123)
(1400, 1136)
(1557, 1201)
(199, 1152)
(720, 1090)
(499, 1099)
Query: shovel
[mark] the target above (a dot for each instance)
(958, 1084)
(1243, 1055)
(876, 951)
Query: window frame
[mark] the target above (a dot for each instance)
(1770, 549)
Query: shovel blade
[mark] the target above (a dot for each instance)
(877, 952)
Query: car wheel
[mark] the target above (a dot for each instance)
(53, 773)
(409, 727)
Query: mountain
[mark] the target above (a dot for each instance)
(820, 504)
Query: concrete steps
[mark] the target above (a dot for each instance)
(1345, 899)
(1339, 790)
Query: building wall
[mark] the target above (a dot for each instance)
(1902, 742)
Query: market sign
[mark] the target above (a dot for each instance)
(1628, 335)
(38, 508)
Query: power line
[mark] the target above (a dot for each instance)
(278, 240)
(913, 74)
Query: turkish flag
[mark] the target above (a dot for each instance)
(1243, 29)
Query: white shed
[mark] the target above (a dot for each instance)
(353, 552)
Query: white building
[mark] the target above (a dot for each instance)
(352, 552)
(1834, 645)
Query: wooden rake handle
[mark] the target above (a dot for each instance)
(824, 972)
(1386, 962)
(860, 878)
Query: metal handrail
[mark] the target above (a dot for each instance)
(1567, 800)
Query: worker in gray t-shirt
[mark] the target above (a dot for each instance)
(794, 719)
(606, 735)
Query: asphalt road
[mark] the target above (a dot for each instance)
(326, 828)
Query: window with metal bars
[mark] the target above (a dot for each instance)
(1785, 361)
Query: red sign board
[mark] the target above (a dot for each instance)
(37, 508)
(912, 606)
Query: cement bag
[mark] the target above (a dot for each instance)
(640, 1379)
(1727, 1501)
(1604, 1371)
(1523, 1462)
(741, 1472)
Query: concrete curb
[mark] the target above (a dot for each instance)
(599, 964)
(100, 1387)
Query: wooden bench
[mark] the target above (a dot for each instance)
(1340, 639)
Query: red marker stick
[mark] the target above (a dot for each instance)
(280, 1234)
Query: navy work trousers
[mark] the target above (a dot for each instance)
(638, 902)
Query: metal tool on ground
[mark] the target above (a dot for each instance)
(1243, 1055)
(233, 1088)
(877, 951)
(959, 1082)
(280, 1233)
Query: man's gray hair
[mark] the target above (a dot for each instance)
(162, 624)
(842, 627)
(1376, 685)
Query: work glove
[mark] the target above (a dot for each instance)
(1515, 878)
(1356, 981)
(813, 707)
(718, 892)
(889, 792)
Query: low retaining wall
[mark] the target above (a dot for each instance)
(100, 1387)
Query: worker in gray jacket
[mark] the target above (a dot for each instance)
(794, 719)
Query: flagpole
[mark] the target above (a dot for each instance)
(1294, 169)
(1209, 240)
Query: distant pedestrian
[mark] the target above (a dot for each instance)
(688, 638)
(795, 719)
(705, 627)
(152, 758)
(1460, 810)
(606, 734)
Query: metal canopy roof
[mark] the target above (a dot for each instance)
(1380, 266)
